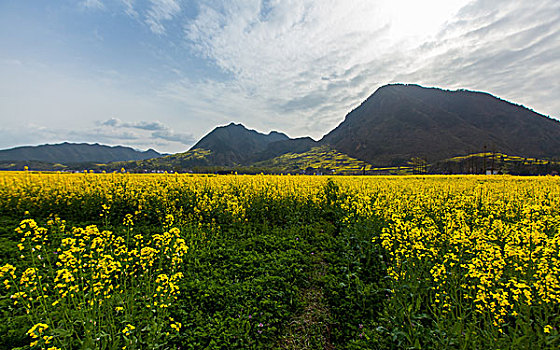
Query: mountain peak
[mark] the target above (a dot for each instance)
(234, 144)
(401, 121)
(277, 134)
(234, 125)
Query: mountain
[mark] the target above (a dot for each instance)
(234, 145)
(75, 153)
(399, 122)
(230, 146)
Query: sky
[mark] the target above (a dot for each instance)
(163, 73)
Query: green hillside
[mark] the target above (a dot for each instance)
(480, 163)
(322, 159)
(180, 161)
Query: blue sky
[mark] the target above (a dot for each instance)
(162, 73)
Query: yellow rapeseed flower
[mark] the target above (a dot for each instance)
(37, 330)
(128, 329)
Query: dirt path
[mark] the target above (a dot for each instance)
(310, 329)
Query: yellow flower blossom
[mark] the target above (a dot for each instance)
(37, 330)
(128, 329)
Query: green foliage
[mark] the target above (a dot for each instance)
(241, 290)
(323, 159)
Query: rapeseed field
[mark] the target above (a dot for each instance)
(167, 261)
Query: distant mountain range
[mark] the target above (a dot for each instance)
(65, 153)
(396, 126)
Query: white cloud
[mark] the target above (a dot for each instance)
(300, 66)
(157, 130)
(170, 135)
(142, 125)
(93, 4)
(160, 11)
(129, 8)
(309, 62)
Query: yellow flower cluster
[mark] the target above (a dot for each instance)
(93, 195)
(486, 244)
(128, 329)
(36, 331)
(93, 274)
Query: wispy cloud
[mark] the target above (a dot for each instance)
(143, 125)
(93, 4)
(159, 12)
(306, 61)
(138, 136)
(272, 52)
(157, 129)
(129, 8)
(170, 135)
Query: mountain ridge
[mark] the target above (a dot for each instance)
(67, 152)
(234, 144)
(398, 122)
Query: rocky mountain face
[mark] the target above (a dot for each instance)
(399, 122)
